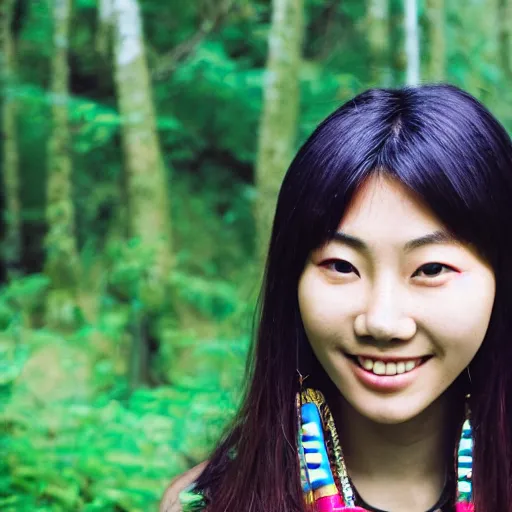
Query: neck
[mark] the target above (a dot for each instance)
(393, 466)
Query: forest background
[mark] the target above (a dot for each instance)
(143, 145)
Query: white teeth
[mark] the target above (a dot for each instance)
(368, 364)
(410, 365)
(381, 368)
(391, 369)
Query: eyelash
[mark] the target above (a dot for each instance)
(328, 263)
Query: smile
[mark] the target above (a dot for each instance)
(389, 375)
(379, 367)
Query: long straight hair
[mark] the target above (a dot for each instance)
(452, 154)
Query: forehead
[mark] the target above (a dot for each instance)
(382, 205)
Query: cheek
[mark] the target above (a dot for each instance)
(460, 315)
(325, 314)
(323, 300)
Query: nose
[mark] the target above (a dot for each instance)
(384, 317)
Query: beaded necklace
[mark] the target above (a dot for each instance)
(324, 477)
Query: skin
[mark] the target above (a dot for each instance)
(394, 303)
(170, 499)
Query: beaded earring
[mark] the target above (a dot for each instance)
(465, 458)
(324, 479)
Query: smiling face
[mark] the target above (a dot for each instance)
(375, 304)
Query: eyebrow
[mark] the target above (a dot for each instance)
(435, 238)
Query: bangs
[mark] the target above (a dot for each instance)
(440, 151)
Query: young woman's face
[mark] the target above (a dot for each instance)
(394, 322)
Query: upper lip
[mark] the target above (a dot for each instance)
(389, 359)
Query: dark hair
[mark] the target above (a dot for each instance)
(448, 150)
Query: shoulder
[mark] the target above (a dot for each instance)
(170, 501)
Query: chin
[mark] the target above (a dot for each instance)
(390, 417)
(395, 410)
(390, 410)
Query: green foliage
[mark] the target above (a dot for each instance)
(107, 455)
(23, 296)
(216, 299)
(220, 90)
(109, 450)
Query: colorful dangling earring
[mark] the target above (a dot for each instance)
(465, 463)
(324, 481)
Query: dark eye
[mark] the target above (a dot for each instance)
(432, 269)
(341, 267)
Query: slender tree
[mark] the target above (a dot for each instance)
(377, 28)
(146, 182)
(10, 163)
(505, 35)
(436, 70)
(149, 213)
(103, 29)
(278, 126)
(62, 263)
(412, 46)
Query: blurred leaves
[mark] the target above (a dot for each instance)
(108, 452)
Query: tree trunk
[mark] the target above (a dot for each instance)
(412, 46)
(278, 125)
(149, 212)
(103, 29)
(505, 36)
(146, 181)
(377, 28)
(437, 40)
(62, 264)
(10, 164)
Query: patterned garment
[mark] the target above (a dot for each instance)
(192, 502)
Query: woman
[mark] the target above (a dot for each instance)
(380, 376)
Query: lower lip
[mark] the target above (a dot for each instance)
(385, 383)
